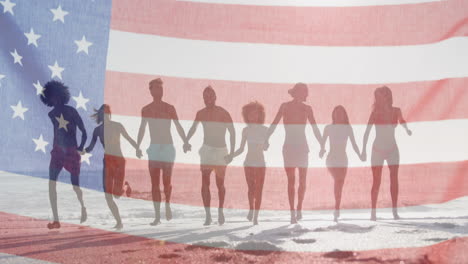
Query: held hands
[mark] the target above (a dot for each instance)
(228, 158)
(187, 147)
(409, 132)
(363, 156)
(266, 145)
(139, 154)
(322, 152)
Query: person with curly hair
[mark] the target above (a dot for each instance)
(253, 135)
(65, 152)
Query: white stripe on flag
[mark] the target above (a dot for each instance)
(150, 54)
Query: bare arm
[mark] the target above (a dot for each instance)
(93, 140)
(273, 125)
(124, 133)
(402, 121)
(141, 131)
(180, 129)
(315, 129)
(242, 144)
(370, 123)
(353, 141)
(84, 136)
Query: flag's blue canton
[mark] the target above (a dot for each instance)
(74, 34)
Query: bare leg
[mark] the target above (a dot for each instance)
(250, 178)
(291, 193)
(167, 174)
(338, 177)
(377, 177)
(301, 191)
(53, 174)
(112, 188)
(206, 195)
(394, 189)
(259, 180)
(156, 193)
(220, 173)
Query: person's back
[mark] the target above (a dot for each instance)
(256, 135)
(64, 119)
(112, 132)
(215, 122)
(295, 119)
(385, 124)
(159, 116)
(338, 134)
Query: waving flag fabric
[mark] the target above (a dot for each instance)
(108, 52)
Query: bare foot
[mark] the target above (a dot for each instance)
(395, 214)
(128, 191)
(293, 217)
(118, 226)
(255, 220)
(207, 221)
(53, 225)
(250, 215)
(336, 215)
(155, 222)
(168, 212)
(84, 215)
(220, 216)
(373, 215)
(298, 214)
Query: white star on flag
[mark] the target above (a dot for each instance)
(18, 110)
(39, 88)
(40, 143)
(83, 45)
(1, 78)
(62, 122)
(56, 70)
(85, 157)
(59, 14)
(32, 37)
(16, 57)
(7, 6)
(81, 101)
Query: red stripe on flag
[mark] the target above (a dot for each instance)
(331, 26)
(419, 184)
(24, 236)
(419, 101)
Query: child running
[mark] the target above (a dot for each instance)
(337, 161)
(254, 134)
(65, 152)
(109, 133)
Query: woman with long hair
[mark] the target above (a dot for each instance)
(385, 117)
(108, 132)
(339, 132)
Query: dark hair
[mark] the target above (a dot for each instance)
(344, 116)
(382, 98)
(98, 115)
(209, 89)
(55, 93)
(297, 88)
(253, 106)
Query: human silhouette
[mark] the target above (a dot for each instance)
(213, 154)
(385, 117)
(254, 136)
(108, 132)
(339, 132)
(158, 116)
(295, 115)
(65, 152)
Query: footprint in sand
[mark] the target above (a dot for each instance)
(436, 239)
(446, 225)
(304, 240)
(169, 256)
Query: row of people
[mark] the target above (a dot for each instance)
(214, 154)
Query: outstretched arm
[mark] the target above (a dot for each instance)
(84, 136)
(93, 141)
(180, 129)
(141, 134)
(242, 144)
(402, 121)
(370, 123)
(315, 129)
(323, 142)
(353, 142)
(273, 125)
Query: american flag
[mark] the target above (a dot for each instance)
(248, 50)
